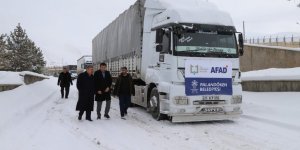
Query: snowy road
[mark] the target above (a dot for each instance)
(36, 118)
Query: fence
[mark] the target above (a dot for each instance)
(293, 41)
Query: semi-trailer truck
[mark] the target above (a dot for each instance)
(83, 62)
(183, 56)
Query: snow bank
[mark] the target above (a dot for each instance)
(7, 77)
(18, 100)
(273, 74)
(33, 74)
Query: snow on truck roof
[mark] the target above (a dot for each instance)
(86, 57)
(189, 11)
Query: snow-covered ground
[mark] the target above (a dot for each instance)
(273, 74)
(34, 117)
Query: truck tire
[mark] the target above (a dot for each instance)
(154, 105)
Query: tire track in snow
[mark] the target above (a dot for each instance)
(272, 122)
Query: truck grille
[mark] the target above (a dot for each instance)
(209, 102)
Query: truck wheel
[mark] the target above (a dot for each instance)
(154, 105)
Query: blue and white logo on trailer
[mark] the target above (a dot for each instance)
(203, 77)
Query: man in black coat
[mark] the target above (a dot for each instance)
(103, 83)
(64, 81)
(85, 86)
(124, 88)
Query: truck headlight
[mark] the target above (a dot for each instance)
(181, 100)
(237, 99)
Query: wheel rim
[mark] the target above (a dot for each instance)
(153, 103)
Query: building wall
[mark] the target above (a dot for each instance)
(30, 79)
(261, 57)
(271, 86)
(7, 87)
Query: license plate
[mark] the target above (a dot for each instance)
(212, 110)
(211, 97)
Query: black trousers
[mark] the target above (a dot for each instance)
(63, 89)
(87, 114)
(124, 102)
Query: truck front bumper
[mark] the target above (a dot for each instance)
(176, 118)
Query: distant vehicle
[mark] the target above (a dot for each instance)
(74, 74)
(83, 62)
(183, 55)
(72, 70)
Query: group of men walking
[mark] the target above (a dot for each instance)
(98, 87)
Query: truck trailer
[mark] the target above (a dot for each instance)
(183, 56)
(83, 62)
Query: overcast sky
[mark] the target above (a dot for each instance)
(64, 29)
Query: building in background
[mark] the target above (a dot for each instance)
(53, 70)
(83, 62)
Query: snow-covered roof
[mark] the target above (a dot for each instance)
(188, 11)
(85, 56)
(88, 58)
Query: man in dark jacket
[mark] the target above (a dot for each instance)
(103, 83)
(85, 86)
(124, 88)
(64, 81)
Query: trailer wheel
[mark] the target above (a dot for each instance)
(154, 105)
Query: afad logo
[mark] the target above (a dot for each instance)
(221, 70)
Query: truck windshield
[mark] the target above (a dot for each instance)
(209, 44)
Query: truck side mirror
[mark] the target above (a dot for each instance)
(159, 48)
(241, 44)
(159, 36)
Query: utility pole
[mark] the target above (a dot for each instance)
(244, 30)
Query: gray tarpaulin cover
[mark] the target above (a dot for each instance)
(123, 36)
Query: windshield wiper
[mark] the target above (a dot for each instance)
(220, 54)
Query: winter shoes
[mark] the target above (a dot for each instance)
(89, 120)
(107, 116)
(80, 118)
(62, 97)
